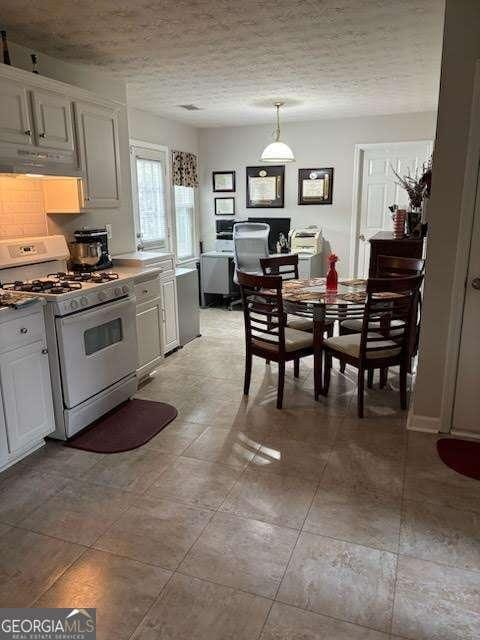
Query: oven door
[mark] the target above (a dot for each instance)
(97, 348)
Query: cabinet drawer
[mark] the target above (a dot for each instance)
(147, 290)
(21, 331)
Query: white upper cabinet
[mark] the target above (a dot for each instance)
(53, 120)
(15, 124)
(97, 134)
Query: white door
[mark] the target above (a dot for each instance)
(149, 320)
(378, 190)
(169, 312)
(97, 132)
(97, 347)
(27, 395)
(15, 125)
(467, 397)
(53, 120)
(151, 198)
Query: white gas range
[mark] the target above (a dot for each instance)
(90, 323)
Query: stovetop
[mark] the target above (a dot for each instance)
(60, 282)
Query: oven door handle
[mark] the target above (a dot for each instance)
(75, 318)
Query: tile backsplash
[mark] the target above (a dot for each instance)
(22, 210)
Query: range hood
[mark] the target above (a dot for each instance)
(39, 162)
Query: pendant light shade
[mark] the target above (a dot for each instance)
(277, 151)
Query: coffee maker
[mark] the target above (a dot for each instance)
(89, 250)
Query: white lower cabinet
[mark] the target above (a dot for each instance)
(26, 415)
(148, 336)
(157, 320)
(169, 324)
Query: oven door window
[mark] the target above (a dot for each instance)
(103, 336)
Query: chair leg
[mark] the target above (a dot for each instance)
(383, 377)
(328, 366)
(317, 374)
(403, 386)
(248, 373)
(296, 367)
(360, 391)
(343, 365)
(370, 378)
(281, 383)
(330, 329)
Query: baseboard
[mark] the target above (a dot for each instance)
(423, 423)
(465, 434)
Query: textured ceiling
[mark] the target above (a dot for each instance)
(233, 59)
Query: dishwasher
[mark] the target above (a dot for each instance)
(188, 307)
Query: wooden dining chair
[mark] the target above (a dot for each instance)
(388, 321)
(388, 267)
(266, 335)
(286, 266)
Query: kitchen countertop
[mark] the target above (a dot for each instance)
(143, 257)
(137, 273)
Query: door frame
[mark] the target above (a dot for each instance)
(459, 288)
(359, 151)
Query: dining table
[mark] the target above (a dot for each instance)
(310, 299)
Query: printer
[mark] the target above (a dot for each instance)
(224, 235)
(307, 240)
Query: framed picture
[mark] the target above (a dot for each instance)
(315, 186)
(223, 181)
(266, 187)
(224, 206)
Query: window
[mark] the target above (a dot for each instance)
(185, 222)
(150, 192)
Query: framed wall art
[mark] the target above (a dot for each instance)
(225, 206)
(223, 181)
(266, 187)
(315, 186)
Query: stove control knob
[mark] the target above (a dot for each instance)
(118, 291)
(102, 296)
(125, 289)
(73, 304)
(84, 301)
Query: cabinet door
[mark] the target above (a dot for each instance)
(97, 133)
(169, 316)
(15, 126)
(27, 395)
(3, 438)
(148, 332)
(53, 120)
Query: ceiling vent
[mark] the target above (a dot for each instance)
(189, 107)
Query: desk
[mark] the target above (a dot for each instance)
(217, 269)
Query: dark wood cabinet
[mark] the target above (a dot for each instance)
(384, 244)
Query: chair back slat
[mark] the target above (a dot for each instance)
(398, 266)
(284, 266)
(263, 310)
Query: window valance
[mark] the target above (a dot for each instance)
(184, 169)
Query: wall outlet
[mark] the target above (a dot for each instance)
(108, 227)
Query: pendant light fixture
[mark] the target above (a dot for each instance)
(277, 152)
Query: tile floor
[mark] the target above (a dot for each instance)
(241, 522)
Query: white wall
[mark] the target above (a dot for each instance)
(461, 50)
(324, 143)
(149, 127)
(103, 85)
